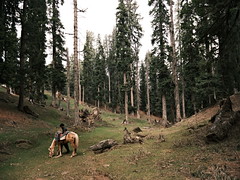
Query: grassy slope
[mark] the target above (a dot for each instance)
(184, 155)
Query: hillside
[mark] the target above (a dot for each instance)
(184, 154)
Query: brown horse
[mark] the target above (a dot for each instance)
(71, 138)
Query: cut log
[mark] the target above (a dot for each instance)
(103, 146)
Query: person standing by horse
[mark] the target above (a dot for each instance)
(64, 132)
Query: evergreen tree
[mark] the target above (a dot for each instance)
(23, 54)
(58, 78)
(136, 33)
(100, 79)
(88, 67)
(9, 43)
(36, 28)
(143, 88)
(112, 72)
(123, 49)
(159, 73)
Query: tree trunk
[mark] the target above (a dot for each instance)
(79, 77)
(183, 99)
(54, 90)
(132, 100)
(194, 104)
(109, 89)
(148, 90)
(138, 93)
(76, 74)
(98, 103)
(22, 56)
(164, 108)
(174, 65)
(126, 96)
(68, 85)
(131, 92)
(83, 95)
(80, 92)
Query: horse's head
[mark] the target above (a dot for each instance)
(51, 152)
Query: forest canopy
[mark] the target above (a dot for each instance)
(194, 61)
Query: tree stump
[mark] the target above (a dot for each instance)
(127, 138)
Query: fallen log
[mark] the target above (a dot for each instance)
(27, 110)
(103, 146)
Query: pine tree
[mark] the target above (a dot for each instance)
(111, 63)
(23, 54)
(100, 79)
(136, 33)
(123, 49)
(9, 44)
(159, 73)
(58, 78)
(36, 73)
(88, 66)
(143, 88)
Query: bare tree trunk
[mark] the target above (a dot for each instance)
(148, 90)
(214, 89)
(109, 89)
(126, 97)
(80, 93)
(76, 73)
(68, 85)
(174, 65)
(22, 57)
(98, 103)
(54, 89)
(194, 104)
(132, 100)
(164, 108)
(83, 95)
(104, 96)
(79, 77)
(131, 91)
(138, 93)
(183, 99)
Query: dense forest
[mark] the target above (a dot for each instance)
(193, 64)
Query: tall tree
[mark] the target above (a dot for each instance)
(23, 53)
(36, 73)
(123, 49)
(174, 64)
(87, 73)
(147, 61)
(9, 43)
(100, 73)
(143, 88)
(58, 78)
(159, 72)
(68, 84)
(111, 63)
(76, 65)
(136, 33)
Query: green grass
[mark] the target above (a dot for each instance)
(182, 156)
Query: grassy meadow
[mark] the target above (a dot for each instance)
(183, 155)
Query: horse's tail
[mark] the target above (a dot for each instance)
(76, 139)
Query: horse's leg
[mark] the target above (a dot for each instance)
(59, 150)
(74, 153)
